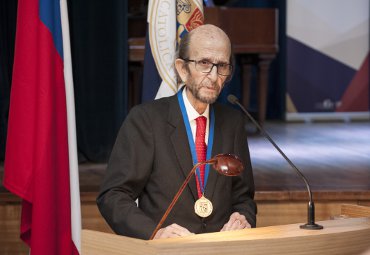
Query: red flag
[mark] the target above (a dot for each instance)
(40, 150)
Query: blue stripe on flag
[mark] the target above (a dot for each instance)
(50, 16)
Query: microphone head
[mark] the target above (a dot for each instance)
(232, 99)
(228, 164)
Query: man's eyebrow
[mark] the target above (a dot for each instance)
(205, 59)
(217, 62)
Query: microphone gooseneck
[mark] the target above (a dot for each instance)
(224, 164)
(311, 206)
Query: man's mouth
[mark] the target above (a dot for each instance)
(210, 87)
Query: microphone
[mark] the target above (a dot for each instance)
(311, 206)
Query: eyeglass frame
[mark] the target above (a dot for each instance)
(213, 65)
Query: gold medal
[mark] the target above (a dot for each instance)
(203, 207)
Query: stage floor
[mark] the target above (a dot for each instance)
(332, 156)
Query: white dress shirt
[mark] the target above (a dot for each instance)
(193, 114)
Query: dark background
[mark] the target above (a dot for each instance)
(99, 34)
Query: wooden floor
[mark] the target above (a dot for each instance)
(335, 158)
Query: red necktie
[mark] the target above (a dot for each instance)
(201, 148)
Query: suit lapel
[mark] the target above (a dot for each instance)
(217, 146)
(180, 143)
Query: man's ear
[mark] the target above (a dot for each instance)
(181, 69)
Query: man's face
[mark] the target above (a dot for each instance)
(206, 87)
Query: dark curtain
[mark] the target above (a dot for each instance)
(8, 17)
(99, 57)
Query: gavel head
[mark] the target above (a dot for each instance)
(227, 164)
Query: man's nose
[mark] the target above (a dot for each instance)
(213, 75)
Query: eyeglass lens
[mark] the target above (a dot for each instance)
(207, 66)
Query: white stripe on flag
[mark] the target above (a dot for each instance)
(71, 122)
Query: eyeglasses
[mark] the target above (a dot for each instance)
(206, 66)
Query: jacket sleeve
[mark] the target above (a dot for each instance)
(128, 170)
(243, 185)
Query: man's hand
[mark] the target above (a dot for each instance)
(172, 230)
(236, 221)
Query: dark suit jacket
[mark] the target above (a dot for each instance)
(150, 160)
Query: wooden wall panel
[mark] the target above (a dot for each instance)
(271, 213)
(10, 243)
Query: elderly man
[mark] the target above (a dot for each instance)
(159, 142)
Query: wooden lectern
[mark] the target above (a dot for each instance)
(347, 236)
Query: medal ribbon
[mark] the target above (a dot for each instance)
(191, 139)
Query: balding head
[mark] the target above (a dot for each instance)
(206, 34)
(210, 33)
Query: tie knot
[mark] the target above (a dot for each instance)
(201, 120)
(201, 125)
